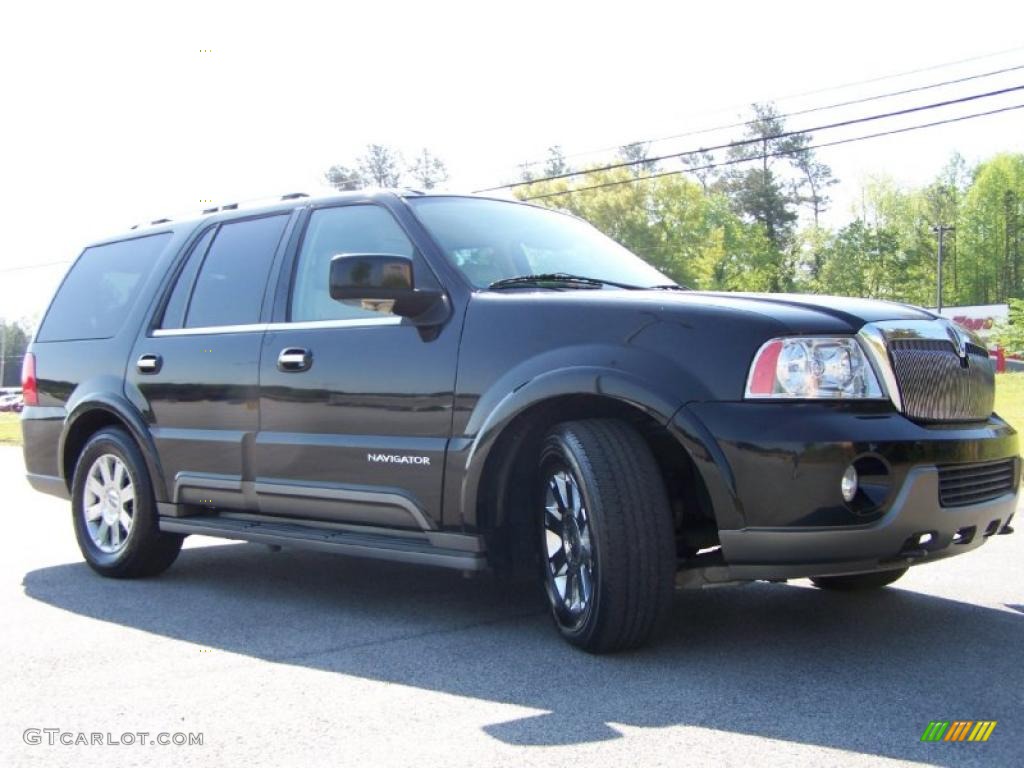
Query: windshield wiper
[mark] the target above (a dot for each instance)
(670, 287)
(563, 278)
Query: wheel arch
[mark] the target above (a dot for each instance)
(93, 414)
(499, 461)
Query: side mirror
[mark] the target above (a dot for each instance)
(383, 283)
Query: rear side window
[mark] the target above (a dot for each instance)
(233, 276)
(174, 312)
(98, 292)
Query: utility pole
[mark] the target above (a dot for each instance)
(940, 230)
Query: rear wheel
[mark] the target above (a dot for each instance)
(607, 544)
(114, 511)
(858, 581)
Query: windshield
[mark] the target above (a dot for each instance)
(492, 240)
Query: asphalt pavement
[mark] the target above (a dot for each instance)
(305, 659)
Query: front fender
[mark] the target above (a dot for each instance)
(496, 410)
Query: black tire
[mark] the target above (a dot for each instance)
(144, 550)
(626, 533)
(858, 581)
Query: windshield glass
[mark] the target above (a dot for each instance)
(491, 240)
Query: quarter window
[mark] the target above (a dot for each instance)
(233, 277)
(331, 231)
(95, 297)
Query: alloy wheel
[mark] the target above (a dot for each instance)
(108, 503)
(568, 548)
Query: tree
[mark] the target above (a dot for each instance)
(14, 340)
(991, 246)
(699, 164)
(637, 153)
(758, 191)
(381, 166)
(428, 170)
(1010, 335)
(815, 178)
(343, 178)
(556, 164)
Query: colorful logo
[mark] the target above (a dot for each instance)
(959, 730)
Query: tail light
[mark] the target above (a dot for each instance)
(29, 386)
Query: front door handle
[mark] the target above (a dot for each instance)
(294, 359)
(149, 363)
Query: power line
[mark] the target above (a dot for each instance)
(796, 113)
(736, 161)
(35, 266)
(759, 139)
(815, 92)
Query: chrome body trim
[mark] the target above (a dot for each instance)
(873, 341)
(308, 325)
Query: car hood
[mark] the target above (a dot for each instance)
(852, 312)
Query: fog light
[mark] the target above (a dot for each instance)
(849, 484)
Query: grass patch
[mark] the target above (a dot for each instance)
(10, 428)
(1010, 398)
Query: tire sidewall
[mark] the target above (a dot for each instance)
(117, 443)
(560, 449)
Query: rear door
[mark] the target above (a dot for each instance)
(355, 404)
(197, 369)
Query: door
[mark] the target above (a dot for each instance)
(355, 404)
(196, 372)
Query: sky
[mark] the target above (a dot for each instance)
(116, 113)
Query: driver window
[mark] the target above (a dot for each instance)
(347, 229)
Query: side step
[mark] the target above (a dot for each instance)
(403, 547)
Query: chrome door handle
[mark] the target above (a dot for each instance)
(149, 363)
(294, 359)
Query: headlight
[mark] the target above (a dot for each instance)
(814, 367)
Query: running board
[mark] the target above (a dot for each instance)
(399, 547)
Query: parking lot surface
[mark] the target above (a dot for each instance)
(306, 659)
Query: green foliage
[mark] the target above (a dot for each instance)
(693, 237)
(428, 170)
(743, 229)
(383, 166)
(1010, 335)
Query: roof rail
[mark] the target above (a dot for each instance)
(227, 207)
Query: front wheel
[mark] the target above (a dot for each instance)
(607, 543)
(858, 581)
(114, 510)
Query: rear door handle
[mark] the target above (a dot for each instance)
(294, 359)
(149, 363)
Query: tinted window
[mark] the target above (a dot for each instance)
(351, 229)
(174, 312)
(95, 297)
(229, 289)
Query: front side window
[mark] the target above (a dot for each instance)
(233, 276)
(98, 292)
(491, 240)
(333, 231)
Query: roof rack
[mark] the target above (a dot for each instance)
(227, 207)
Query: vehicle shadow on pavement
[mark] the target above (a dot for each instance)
(858, 672)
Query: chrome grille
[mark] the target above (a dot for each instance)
(962, 484)
(936, 384)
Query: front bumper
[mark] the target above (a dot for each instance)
(772, 472)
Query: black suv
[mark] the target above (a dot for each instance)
(476, 383)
